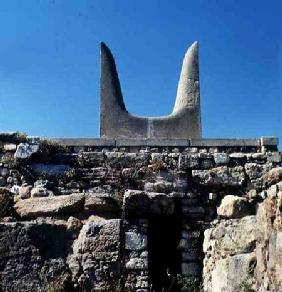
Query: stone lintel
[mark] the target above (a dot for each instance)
(225, 143)
(153, 142)
(98, 142)
(101, 142)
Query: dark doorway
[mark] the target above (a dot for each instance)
(164, 258)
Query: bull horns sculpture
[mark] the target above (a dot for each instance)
(183, 123)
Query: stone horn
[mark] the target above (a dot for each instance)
(183, 123)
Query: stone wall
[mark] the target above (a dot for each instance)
(139, 216)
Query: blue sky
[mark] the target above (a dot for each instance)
(49, 62)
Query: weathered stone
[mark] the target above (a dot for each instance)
(137, 264)
(160, 186)
(139, 202)
(272, 191)
(135, 241)
(74, 225)
(25, 150)
(254, 170)
(2, 181)
(229, 237)
(273, 176)
(231, 274)
(191, 269)
(273, 157)
(100, 203)
(25, 192)
(220, 176)
(95, 261)
(50, 169)
(221, 158)
(234, 207)
(40, 192)
(6, 201)
(33, 256)
(4, 171)
(238, 155)
(187, 161)
(10, 147)
(41, 183)
(40, 207)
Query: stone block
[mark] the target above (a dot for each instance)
(220, 176)
(25, 150)
(50, 206)
(225, 142)
(135, 241)
(140, 203)
(137, 264)
(94, 142)
(99, 203)
(234, 207)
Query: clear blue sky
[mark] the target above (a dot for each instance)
(49, 62)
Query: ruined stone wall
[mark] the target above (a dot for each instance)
(109, 217)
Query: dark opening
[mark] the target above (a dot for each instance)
(164, 258)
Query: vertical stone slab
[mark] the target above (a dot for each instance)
(96, 260)
(136, 256)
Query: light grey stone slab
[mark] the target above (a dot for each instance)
(152, 142)
(99, 142)
(224, 142)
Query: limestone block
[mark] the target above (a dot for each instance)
(234, 207)
(10, 147)
(187, 161)
(160, 186)
(273, 176)
(255, 170)
(48, 206)
(137, 264)
(273, 157)
(100, 203)
(220, 176)
(25, 150)
(95, 260)
(25, 191)
(230, 236)
(40, 192)
(231, 273)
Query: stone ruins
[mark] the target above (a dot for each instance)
(143, 208)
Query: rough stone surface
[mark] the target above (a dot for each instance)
(37, 207)
(139, 202)
(220, 176)
(95, 261)
(234, 207)
(6, 202)
(25, 150)
(33, 257)
(158, 225)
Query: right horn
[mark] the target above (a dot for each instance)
(188, 91)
